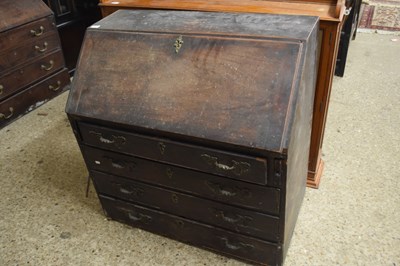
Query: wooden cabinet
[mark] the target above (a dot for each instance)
(32, 69)
(201, 131)
(347, 34)
(331, 14)
(72, 18)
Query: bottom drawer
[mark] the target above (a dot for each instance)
(197, 234)
(32, 97)
(203, 210)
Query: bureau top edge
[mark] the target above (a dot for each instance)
(189, 22)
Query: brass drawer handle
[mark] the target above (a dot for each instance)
(39, 32)
(37, 48)
(238, 168)
(121, 164)
(138, 217)
(227, 191)
(235, 246)
(117, 140)
(128, 190)
(51, 87)
(47, 68)
(1, 89)
(236, 219)
(5, 117)
(220, 190)
(137, 192)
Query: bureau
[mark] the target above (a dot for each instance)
(331, 14)
(32, 67)
(196, 125)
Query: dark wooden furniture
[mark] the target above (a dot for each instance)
(330, 12)
(72, 18)
(32, 69)
(201, 131)
(347, 34)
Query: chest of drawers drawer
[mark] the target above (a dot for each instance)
(30, 31)
(192, 232)
(31, 72)
(28, 50)
(241, 167)
(33, 97)
(263, 199)
(181, 204)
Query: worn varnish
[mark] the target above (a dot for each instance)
(210, 112)
(331, 14)
(32, 68)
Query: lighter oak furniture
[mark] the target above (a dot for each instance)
(331, 14)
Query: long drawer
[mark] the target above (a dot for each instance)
(265, 199)
(28, 74)
(232, 218)
(28, 50)
(32, 97)
(237, 166)
(30, 31)
(185, 230)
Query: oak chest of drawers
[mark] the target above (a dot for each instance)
(196, 125)
(31, 62)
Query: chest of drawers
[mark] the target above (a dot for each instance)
(31, 62)
(196, 126)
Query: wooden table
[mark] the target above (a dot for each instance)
(330, 12)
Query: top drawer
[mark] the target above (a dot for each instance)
(245, 168)
(14, 37)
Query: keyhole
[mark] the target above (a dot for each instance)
(174, 198)
(180, 223)
(169, 172)
(162, 147)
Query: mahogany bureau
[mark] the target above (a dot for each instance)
(196, 126)
(32, 69)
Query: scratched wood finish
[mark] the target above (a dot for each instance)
(331, 14)
(32, 68)
(196, 125)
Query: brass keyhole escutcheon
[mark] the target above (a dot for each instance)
(174, 198)
(161, 146)
(169, 172)
(180, 223)
(178, 44)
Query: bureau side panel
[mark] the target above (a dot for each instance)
(299, 142)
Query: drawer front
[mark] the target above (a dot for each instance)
(18, 79)
(249, 169)
(32, 97)
(27, 51)
(191, 232)
(221, 189)
(206, 211)
(36, 29)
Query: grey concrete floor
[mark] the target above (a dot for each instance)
(352, 219)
